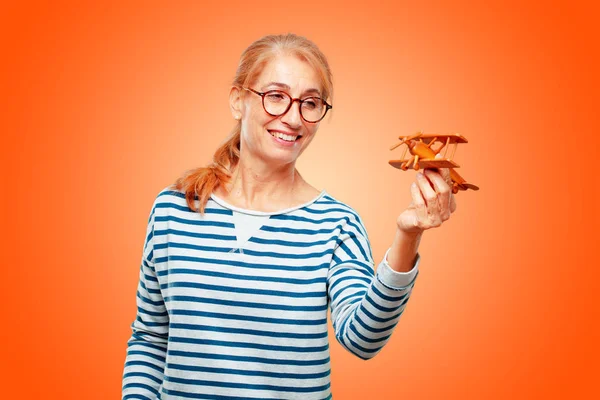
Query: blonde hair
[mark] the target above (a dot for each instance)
(201, 182)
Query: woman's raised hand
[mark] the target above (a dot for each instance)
(432, 201)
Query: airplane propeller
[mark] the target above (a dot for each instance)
(406, 139)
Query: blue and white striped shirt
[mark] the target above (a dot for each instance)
(228, 320)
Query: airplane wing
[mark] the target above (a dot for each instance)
(428, 137)
(426, 163)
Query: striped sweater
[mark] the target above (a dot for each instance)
(228, 320)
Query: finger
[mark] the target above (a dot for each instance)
(430, 197)
(419, 204)
(444, 171)
(451, 197)
(443, 192)
(437, 180)
(452, 202)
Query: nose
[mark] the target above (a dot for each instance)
(292, 117)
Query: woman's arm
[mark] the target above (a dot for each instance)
(365, 305)
(147, 347)
(401, 255)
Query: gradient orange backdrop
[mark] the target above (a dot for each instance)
(105, 104)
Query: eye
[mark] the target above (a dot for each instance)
(275, 97)
(311, 103)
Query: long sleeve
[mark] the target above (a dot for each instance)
(146, 349)
(365, 306)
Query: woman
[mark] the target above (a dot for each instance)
(244, 258)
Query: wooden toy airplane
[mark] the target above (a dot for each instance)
(424, 156)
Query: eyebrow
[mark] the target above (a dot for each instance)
(284, 86)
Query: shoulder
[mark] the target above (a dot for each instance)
(335, 205)
(168, 193)
(352, 239)
(336, 208)
(168, 197)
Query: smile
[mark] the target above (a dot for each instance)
(285, 137)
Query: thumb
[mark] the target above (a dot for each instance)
(445, 172)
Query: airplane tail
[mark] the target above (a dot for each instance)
(463, 186)
(459, 182)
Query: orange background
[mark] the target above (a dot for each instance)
(104, 105)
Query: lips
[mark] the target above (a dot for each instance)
(272, 131)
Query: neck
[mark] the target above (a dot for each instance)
(261, 186)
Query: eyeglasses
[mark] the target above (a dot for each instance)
(276, 103)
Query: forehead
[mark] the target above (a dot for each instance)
(291, 71)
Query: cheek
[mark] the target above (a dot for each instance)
(257, 113)
(258, 122)
(254, 123)
(312, 131)
(254, 134)
(309, 139)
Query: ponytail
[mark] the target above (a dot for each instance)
(201, 182)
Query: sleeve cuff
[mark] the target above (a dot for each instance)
(397, 280)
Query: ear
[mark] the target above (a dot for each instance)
(235, 102)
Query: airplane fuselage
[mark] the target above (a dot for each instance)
(424, 152)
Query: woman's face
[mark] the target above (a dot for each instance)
(289, 74)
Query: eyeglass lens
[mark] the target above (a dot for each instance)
(276, 103)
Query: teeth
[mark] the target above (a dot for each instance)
(284, 137)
